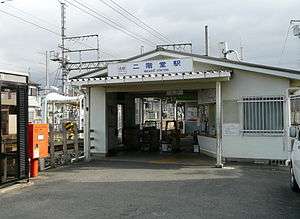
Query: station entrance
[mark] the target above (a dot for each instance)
(162, 126)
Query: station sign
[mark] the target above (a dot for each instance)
(151, 67)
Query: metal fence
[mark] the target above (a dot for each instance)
(263, 115)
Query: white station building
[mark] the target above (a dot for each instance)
(238, 109)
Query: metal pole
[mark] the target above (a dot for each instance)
(219, 123)
(86, 131)
(98, 48)
(47, 78)
(80, 61)
(288, 120)
(63, 63)
(206, 41)
(51, 142)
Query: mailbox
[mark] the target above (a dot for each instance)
(37, 145)
(38, 140)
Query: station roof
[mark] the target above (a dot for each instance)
(222, 62)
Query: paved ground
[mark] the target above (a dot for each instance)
(118, 189)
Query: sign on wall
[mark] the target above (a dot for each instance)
(151, 67)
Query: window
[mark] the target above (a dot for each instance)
(263, 115)
(32, 91)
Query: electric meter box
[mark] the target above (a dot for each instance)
(38, 140)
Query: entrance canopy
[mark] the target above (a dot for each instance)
(146, 78)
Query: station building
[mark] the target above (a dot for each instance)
(237, 109)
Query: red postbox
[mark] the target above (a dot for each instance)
(37, 145)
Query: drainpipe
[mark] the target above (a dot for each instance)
(219, 163)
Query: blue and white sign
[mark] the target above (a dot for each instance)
(151, 67)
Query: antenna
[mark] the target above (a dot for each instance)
(225, 51)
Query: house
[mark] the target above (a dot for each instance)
(237, 108)
(34, 103)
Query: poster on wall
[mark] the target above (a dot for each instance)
(231, 129)
(191, 114)
(151, 67)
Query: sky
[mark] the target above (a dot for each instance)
(259, 26)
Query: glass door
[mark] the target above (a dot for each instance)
(8, 139)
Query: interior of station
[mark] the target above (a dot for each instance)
(170, 122)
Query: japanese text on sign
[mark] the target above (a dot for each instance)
(151, 67)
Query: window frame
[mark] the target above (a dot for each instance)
(262, 99)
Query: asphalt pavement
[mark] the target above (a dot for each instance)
(124, 189)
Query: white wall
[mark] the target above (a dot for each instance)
(253, 84)
(236, 145)
(98, 119)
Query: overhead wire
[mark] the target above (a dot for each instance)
(136, 22)
(39, 26)
(32, 16)
(141, 21)
(86, 9)
(29, 22)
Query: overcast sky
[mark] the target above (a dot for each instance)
(260, 26)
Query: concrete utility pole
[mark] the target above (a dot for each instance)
(63, 58)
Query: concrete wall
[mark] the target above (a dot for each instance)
(235, 144)
(98, 119)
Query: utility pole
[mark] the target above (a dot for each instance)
(63, 58)
(46, 65)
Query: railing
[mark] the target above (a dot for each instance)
(65, 145)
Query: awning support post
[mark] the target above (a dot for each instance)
(219, 107)
(87, 127)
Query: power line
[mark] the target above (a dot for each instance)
(111, 23)
(89, 46)
(40, 26)
(158, 36)
(132, 15)
(32, 15)
(108, 21)
(29, 22)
